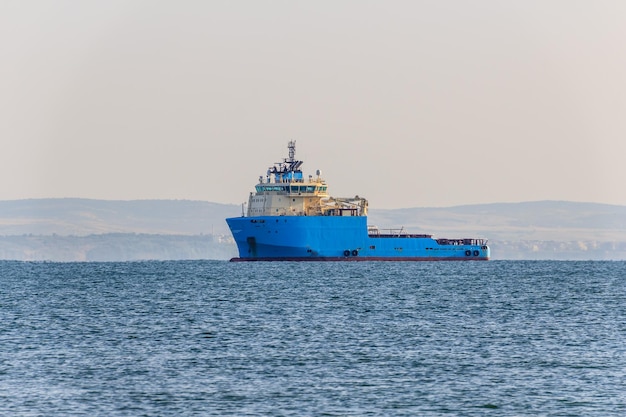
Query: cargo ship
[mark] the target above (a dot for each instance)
(290, 217)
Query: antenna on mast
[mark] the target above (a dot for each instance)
(292, 150)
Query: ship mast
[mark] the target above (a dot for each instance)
(292, 150)
(289, 169)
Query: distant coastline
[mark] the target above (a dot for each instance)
(70, 229)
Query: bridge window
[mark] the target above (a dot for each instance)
(272, 188)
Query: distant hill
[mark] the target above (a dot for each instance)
(82, 229)
(81, 217)
(540, 220)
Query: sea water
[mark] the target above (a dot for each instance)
(501, 338)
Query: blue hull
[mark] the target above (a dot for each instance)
(337, 238)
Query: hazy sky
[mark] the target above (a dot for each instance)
(407, 103)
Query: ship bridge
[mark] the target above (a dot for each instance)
(284, 191)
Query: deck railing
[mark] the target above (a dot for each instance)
(472, 242)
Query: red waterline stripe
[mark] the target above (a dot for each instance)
(359, 259)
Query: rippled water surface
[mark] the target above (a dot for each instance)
(295, 339)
